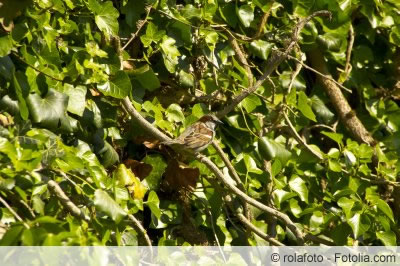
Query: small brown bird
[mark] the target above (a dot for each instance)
(197, 136)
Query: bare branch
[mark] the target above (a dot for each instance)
(14, 213)
(234, 174)
(65, 201)
(139, 27)
(347, 68)
(142, 230)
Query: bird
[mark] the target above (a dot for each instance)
(197, 136)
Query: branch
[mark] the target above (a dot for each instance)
(229, 183)
(142, 230)
(300, 139)
(342, 107)
(65, 201)
(234, 174)
(251, 226)
(241, 57)
(347, 67)
(14, 213)
(273, 62)
(154, 132)
(140, 25)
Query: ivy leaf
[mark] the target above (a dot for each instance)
(7, 67)
(152, 34)
(50, 111)
(153, 180)
(5, 45)
(251, 102)
(76, 100)
(22, 93)
(298, 185)
(388, 238)
(119, 86)
(154, 204)
(105, 16)
(359, 223)
(270, 149)
(174, 113)
(246, 15)
(261, 48)
(106, 204)
(323, 112)
(304, 107)
(384, 207)
(170, 53)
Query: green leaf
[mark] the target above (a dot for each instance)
(154, 204)
(50, 111)
(323, 112)
(295, 208)
(5, 45)
(246, 15)
(251, 165)
(119, 86)
(148, 79)
(388, 238)
(251, 102)
(334, 136)
(7, 67)
(334, 166)
(304, 107)
(331, 41)
(385, 208)
(170, 53)
(108, 155)
(261, 48)
(152, 34)
(227, 12)
(174, 113)
(270, 149)
(22, 93)
(105, 16)
(360, 223)
(153, 180)
(106, 204)
(77, 98)
(298, 185)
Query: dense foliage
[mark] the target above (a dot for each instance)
(66, 64)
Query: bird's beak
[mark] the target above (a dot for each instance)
(219, 122)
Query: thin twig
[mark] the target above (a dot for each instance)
(140, 26)
(234, 174)
(14, 213)
(65, 201)
(299, 139)
(36, 69)
(347, 67)
(294, 75)
(139, 225)
(262, 23)
(319, 73)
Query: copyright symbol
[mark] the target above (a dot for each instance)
(275, 257)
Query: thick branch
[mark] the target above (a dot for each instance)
(273, 62)
(65, 201)
(342, 107)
